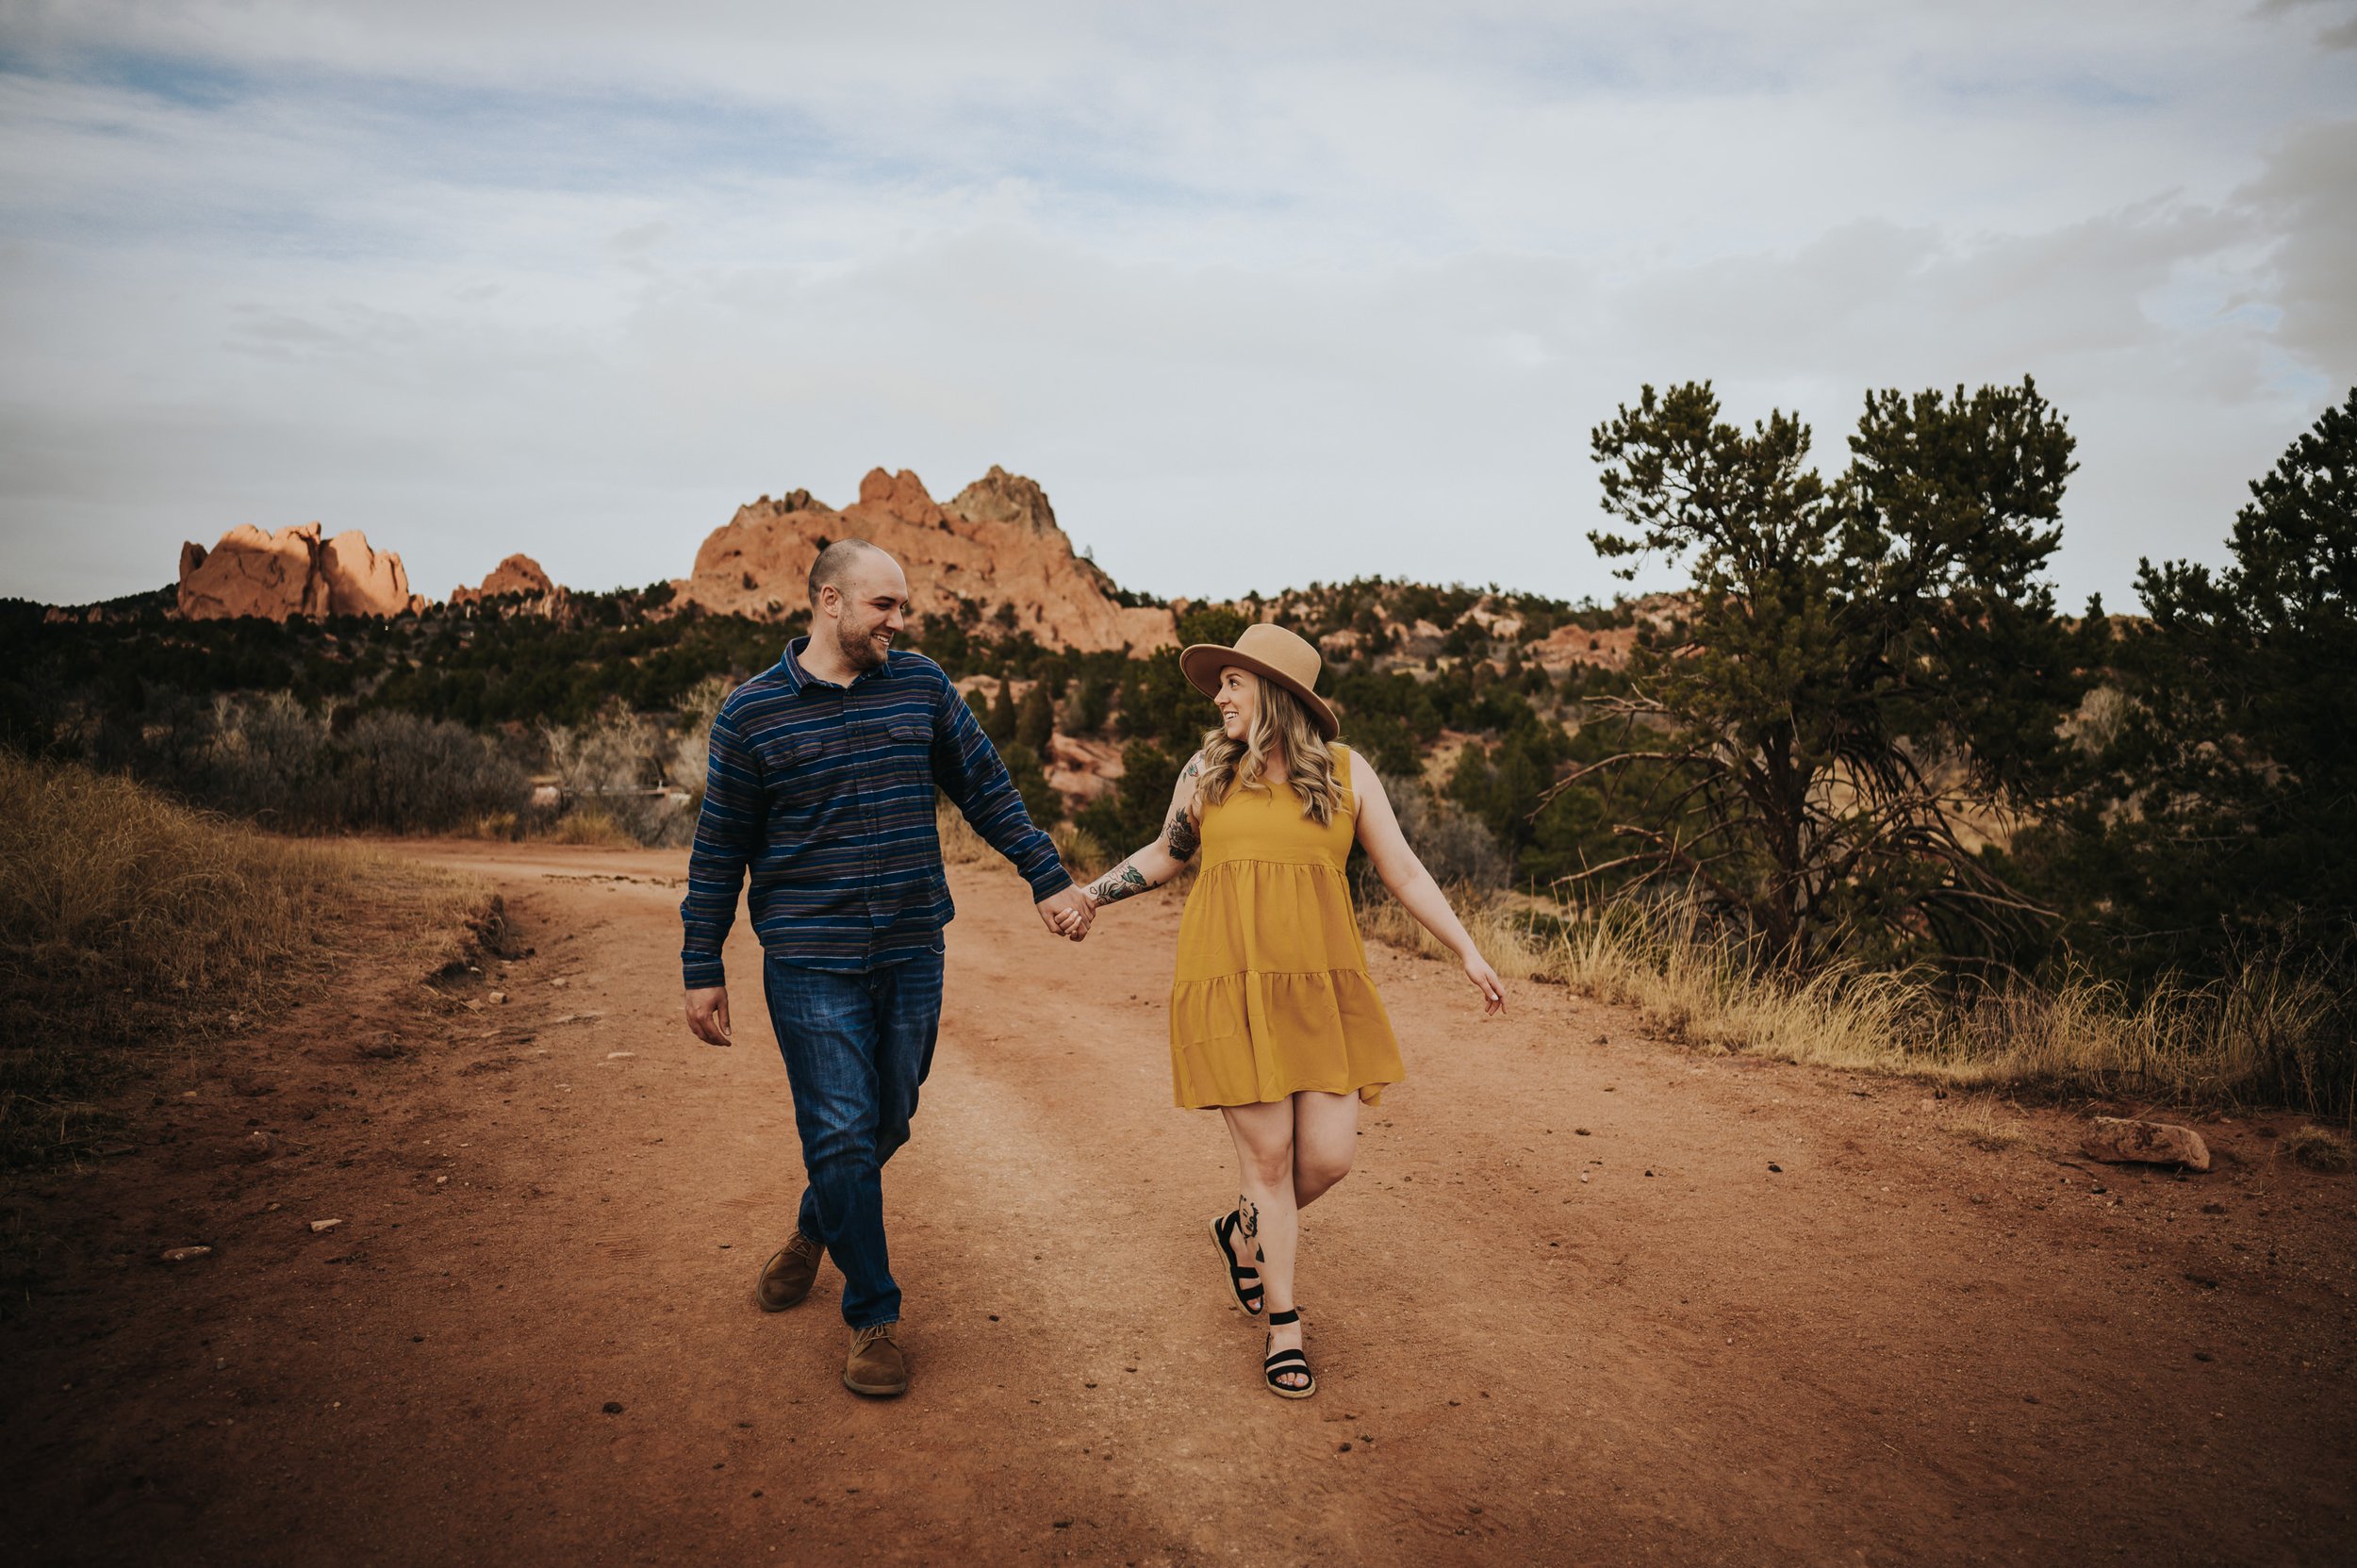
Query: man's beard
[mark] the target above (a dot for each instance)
(859, 647)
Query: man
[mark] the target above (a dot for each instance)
(821, 784)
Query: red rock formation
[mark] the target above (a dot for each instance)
(1083, 770)
(292, 572)
(359, 580)
(1568, 645)
(995, 543)
(518, 577)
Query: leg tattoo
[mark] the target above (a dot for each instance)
(1248, 1216)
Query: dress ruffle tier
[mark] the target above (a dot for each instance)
(1272, 995)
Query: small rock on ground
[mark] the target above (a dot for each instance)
(2117, 1140)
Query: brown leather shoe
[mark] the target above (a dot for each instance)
(785, 1277)
(877, 1365)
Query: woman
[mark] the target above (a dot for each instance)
(1273, 1019)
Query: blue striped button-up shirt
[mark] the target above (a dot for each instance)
(825, 793)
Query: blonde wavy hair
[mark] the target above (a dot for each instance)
(1279, 722)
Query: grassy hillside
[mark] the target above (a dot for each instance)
(134, 930)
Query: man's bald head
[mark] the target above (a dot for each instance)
(839, 564)
(868, 609)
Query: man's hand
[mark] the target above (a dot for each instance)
(708, 1013)
(1067, 914)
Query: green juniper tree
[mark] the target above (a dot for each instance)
(1864, 659)
(1036, 718)
(2231, 784)
(999, 723)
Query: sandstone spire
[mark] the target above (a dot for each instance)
(995, 543)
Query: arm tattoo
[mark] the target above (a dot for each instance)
(1184, 837)
(1249, 1216)
(1123, 882)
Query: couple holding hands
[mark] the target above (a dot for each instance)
(821, 788)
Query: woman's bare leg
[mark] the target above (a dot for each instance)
(1325, 1138)
(1264, 1162)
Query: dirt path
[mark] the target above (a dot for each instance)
(1897, 1349)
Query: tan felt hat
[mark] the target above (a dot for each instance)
(1273, 654)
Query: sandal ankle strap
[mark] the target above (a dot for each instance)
(1291, 1314)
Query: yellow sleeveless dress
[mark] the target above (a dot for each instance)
(1272, 994)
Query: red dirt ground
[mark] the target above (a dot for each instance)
(1898, 1350)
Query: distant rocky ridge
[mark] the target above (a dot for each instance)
(292, 572)
(994, 545)
(994, 550)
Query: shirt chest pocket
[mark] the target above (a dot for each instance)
(907, 752)
(802, 771)
(822, 772)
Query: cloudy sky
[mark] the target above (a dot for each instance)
(1260, 292)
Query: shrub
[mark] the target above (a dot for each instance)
(2316, 1148)
(1000, 721)
(1030, 781)
(1084, 853)
(264, 757)
(399, 773)
(613, 766)
(1085, 713)
(592, 824)
(1133, 814)
(1035, 720)
(270, 758)
(1456, 848)
(691, 743)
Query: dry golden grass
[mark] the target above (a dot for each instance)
(2265, 1036)
(1498, 930)
(1980, 1125)
(2316, 1148)
(130, 924)
(591, 825)
(1084, 853)
(959, 844)
(1702, 994)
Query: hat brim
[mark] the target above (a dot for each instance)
(1202, 663)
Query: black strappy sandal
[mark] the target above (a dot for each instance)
(1280, 1362)
(1242, 1279)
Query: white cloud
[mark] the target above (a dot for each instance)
(1261, 294)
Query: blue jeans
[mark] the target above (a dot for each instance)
(856, 1048)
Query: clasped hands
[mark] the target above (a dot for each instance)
(1067, 914)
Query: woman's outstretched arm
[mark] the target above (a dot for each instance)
(1162, 860)
(1413, 886)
